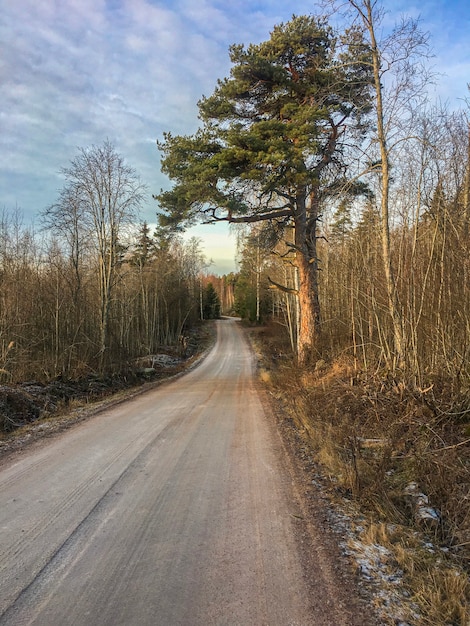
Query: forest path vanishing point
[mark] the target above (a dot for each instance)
(176, 507)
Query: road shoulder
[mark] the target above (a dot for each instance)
(328, 571)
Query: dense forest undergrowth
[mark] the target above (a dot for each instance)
(399, 456)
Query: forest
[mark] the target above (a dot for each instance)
(352, 187)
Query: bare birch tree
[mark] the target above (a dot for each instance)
(102, 195)
(398, 81)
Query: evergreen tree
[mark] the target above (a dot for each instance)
(271, 143)
(211, 303)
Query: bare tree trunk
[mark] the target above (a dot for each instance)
(384, 155)
(390, 282)
(466, 190)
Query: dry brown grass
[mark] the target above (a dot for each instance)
(438, 589)
(373, 435)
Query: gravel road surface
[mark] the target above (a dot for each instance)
(173, 508)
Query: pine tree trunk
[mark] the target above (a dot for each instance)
(309, 310)
(307, 265)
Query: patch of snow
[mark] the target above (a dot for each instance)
(164, 360)
(380, 575)
(377, 566)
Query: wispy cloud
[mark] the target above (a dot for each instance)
(75, 72)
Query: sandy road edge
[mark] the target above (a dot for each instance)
(317, 538)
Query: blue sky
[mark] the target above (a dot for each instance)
(76, 72)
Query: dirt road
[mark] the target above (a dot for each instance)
(174, 508)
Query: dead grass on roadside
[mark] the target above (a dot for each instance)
(403, 455)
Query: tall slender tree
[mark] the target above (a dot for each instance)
(398, 82)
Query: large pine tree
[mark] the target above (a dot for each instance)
(271, 143)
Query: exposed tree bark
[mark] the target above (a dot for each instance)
(305, 233)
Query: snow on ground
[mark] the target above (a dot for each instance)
(379, 573)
